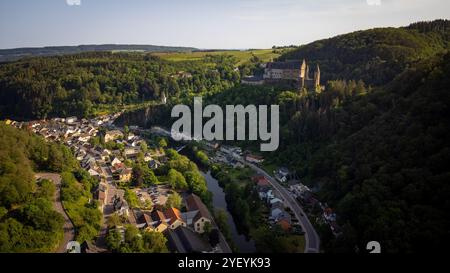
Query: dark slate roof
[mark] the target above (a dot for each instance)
(184, 240)
(253, 78)
(194, 203)
(285, 65)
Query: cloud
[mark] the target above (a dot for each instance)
(73, 2)
(374, 2)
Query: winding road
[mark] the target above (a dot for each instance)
(312, 239)
(69, 230)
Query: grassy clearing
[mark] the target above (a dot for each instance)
(242, 56)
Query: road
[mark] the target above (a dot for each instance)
(69, 230)
(311, 237)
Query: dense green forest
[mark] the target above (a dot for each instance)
(80, 84)
(377, 155)
(28, 222)
(375, 56)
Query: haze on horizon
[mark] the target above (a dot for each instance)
(230, 24)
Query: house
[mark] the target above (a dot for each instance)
(274, 201)
(154, 164)
(94, 173)
(113, 135)
(121, 206)
(283, 171)
(184, 240)
(285, 225)
(265, 194)
(71, 120)
(105, 154)
(124, 175)
(131, 152)
(198, 214)
(254, 158)
(160, 221)
(276, 210)
(115, 161)
(261, 182)
(329, 215)
(174, 218)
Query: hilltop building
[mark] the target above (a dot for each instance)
(293, 71)
(297, 72)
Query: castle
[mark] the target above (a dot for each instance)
(294, 71)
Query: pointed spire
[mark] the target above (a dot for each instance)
(303, 70)
(317, 76)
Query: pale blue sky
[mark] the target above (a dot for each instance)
(201, 23)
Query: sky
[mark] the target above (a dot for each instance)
(205, 24)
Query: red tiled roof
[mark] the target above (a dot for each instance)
(157, 215)
(173, 214)
(284, 225)
(261, 180)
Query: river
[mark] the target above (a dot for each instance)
(244, 245)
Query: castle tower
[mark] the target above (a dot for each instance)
(307, 73)
(317, 77)
(303, 69)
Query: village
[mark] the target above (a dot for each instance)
(280, 212)
(112, 168)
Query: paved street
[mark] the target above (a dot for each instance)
(69, 231)
(311, 237)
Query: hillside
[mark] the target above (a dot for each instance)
(376, 156)
(28, 222)
(82, 84)
(18, 53)
(375, 56)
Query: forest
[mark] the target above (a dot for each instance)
(43, 87)
(375, 56)
(28, 222)
(376, 155)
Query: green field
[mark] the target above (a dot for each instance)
(242, 56)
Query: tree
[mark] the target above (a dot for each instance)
(162, 143)
(137, 177)
(114, 220)
(114, 240)
(214, 237)
(154, 242)
(174, 201)
(46, 189)
(144, 147)
(150, 177)
(207, 228)
(176, 180)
